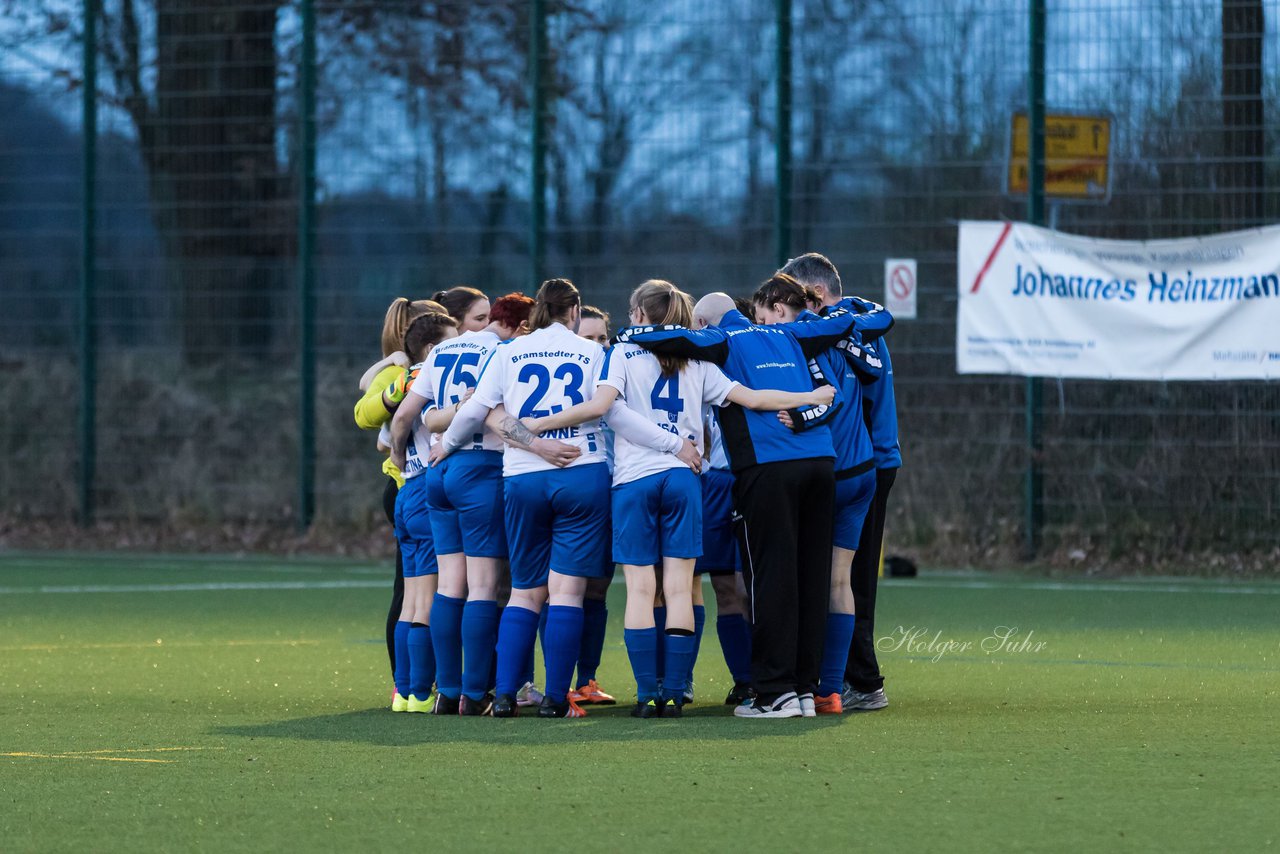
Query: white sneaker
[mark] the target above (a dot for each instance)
(688, 694)
(528, 695)
(807, 707)
(863, 701)
(786, 706)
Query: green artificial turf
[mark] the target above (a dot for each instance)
(1145, 721)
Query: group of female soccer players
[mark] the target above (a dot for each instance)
(530, 459)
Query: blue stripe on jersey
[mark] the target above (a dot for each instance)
(604, 367)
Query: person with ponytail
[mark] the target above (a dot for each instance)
(784, 484)
(464, 497)
(783, 301)
(383, 387)
(864, 683)
(555, 517)
(468, 306)
(657, 502)
(410, 443)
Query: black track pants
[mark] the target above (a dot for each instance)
(785, 538)
(863, 671)
(397, 596)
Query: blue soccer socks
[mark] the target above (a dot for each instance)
(446, 635)
(516, 635)
(401, 673)
(563, 639)
(642, 649)
(677, 664)
(735, 643)
(422, 661)
(835, 653)
(479, 635)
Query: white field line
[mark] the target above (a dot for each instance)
(196, 587)
(157, 644)
(935, 582)
(1082, 586)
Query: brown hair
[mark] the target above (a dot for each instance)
(400, 314)
(782, 288)
(555, 298)
(663, 303)
(428, 329)
(458, 301)
(598, 314)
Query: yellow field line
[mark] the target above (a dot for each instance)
(96, 758)
(96, 754)
(136, 750)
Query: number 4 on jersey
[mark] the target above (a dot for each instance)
(666, 397)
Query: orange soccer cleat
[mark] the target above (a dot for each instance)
(591, 693)
(828, 705)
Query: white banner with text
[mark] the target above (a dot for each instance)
(1035, 302)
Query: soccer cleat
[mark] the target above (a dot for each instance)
(807, 706)
(529, 695)
(398, 703)
(828, 705)
(445, 705)
(469, 708)
(785, 706)
(568, 709)
(742, 691)
(671, 709)
(862, 701)
(648, 709)
(688, 694)
(416, 705)
(505, 706)
(591, 693)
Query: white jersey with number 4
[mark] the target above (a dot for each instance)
(453, 367)
(675, 403)
(535, 375)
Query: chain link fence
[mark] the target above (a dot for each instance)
(232, 294)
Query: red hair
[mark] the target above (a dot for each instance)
(511, 310)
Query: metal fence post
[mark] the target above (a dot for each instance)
(1034, 511)
(537, 141)
(88, 262)
(782, 141)
(306, 269)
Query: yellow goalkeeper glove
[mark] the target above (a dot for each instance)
(400, 386)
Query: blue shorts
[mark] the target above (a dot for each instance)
(658, 516)
(413, 529)
(853, 498)
(719, 535)
(557, 520)
(465, 496)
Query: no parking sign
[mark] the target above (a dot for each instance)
(900, 287)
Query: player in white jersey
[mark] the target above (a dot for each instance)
(410, 441)
(555, 517)
(657, 503)
(595, 612)
(464, 495)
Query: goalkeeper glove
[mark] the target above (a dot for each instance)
(400, 386)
